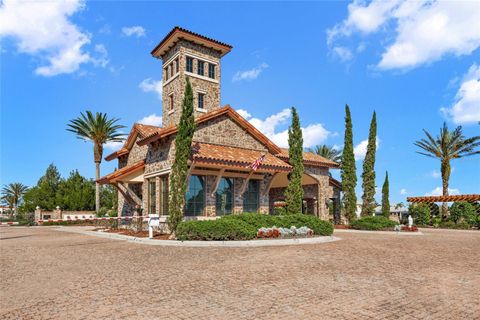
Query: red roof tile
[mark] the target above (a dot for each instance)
(311, 159)
(237, 157)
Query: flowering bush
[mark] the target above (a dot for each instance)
(275, 232)
(402, 227)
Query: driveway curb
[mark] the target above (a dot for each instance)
(399, 233)
(204, 244)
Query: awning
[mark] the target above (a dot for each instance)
(129, 173)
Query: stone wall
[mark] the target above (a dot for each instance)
(224, 131)
(176, 84)
(310, 195)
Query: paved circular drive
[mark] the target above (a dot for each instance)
(47, 274)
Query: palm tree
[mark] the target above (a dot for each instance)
(99, 130)
(328, 152)
(447, 146)
(12, 194)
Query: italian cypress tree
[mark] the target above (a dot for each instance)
(183, 147)
(294, 191)
(385, 195)
(348, 169)
(368, 175)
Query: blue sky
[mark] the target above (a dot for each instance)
(415, 64)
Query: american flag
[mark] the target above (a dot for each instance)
(256, 164)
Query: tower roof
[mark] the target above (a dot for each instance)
(179, 33)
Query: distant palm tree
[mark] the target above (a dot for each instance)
(399, 205)
(328, 152)
(99, 130)
(448, 145)
(12, 194)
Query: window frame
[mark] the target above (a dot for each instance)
(200, 67)
(189, 64)
(211, 70)
(196, 213)
(232, 197)
(152, 196)
(202, 95)
(248, 192)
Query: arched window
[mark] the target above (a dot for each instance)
(195, 196)
(224, 197)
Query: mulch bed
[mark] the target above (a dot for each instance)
(341, 226)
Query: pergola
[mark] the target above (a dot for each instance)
(456, 198)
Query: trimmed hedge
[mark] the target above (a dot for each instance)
(245, 226)
(65, 223)
(373, 223)
(220, 230)
(319, 227)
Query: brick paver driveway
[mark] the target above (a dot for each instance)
(46, 274)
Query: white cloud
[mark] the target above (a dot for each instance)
(313, 134)
(43, 29)
(403, 191)
(435, 174)
(152, 120)
(438, 192)
(244, 113)
(113, 145)
(150, 85)
(343, 53)
(360, 150)
(137, 31)
(466, 108)
(250, 74)
(425, 31)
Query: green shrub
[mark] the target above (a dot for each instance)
(436, 221)
(245, 226)
(420, 213)
(463, 211)
(279, 211)
(452, 225)
(220, 229)
(258, 220)
(373, 223)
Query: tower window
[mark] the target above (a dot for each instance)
(166, 73)
(211, 70)
(201, 67)
(189, 67)
(171, 70)
(176, 65)
(171, 102)
(201, 100)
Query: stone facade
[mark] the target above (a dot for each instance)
(159, 155)
(174, 84)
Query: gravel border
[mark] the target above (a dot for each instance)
(198, 244)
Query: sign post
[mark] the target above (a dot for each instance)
(153, 221)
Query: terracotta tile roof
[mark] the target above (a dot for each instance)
(226, 110)
(429, 199)
(237, 157)
(138, 129)
(112, 177)
(179, 33)
(335, 182)
(311, 159)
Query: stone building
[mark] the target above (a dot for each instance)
(221, 180)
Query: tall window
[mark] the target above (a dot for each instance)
(195, 196)
(171, 102)
(189, 64)
(224, 197)
(171, 69)
(163, 205)
(201, 67)
(167, 74)
(251, 197)
(201, 100)
(211, 70)
(176, 66)
(152, 196)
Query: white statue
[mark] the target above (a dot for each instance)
(410, 221)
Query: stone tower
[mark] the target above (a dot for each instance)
(188, 54)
